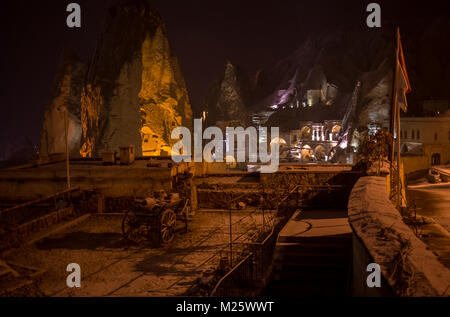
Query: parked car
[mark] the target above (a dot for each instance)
(433, 176)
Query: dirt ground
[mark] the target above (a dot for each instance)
(109, 267)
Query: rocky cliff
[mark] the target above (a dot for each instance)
(324, 72)
(135, 93)
(339, 74)
(342, 57)
(338, 59)
(67, 95)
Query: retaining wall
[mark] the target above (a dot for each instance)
(381, 236)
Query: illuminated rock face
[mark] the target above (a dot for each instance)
(163, 98)
(135, 94)
(91, 104)
(376, 96)
(67, 94)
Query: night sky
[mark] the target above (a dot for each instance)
(203, 34)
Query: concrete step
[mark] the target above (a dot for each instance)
(325, 274)
(306, 289)
(302, 258)
(332, 240)
(311, 268)
(314, 248)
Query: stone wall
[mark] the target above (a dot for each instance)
(408, 267)
(319, 188)
(111, 181)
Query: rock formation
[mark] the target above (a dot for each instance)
(67, 95)
(228, 99)
(133, 92)
(317, 82)
(337, 58)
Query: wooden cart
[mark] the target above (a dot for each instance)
(154, 220)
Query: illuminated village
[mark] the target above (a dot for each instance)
(359, 180)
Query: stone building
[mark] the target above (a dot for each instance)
(424, 142)
(315, 140)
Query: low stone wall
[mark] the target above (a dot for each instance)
(112, 181)
(320, 188)
(382, 237)
(13, 237)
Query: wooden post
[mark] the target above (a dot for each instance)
(263, 211)
(194, 195)
(101, 204)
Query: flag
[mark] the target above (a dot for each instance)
(403, 85)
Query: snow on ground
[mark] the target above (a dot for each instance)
(432, 200)
(110, 268)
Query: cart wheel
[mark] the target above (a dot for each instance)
(131, 228)
(168, 222)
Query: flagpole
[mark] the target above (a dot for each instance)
(399, 180)
(394, 95)
(394, 112)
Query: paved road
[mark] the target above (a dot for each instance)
(432, 200)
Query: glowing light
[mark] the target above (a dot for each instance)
(231, 161)
(280, 141)
(344, 144)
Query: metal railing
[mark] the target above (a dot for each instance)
(253, 270)
(250, 272)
